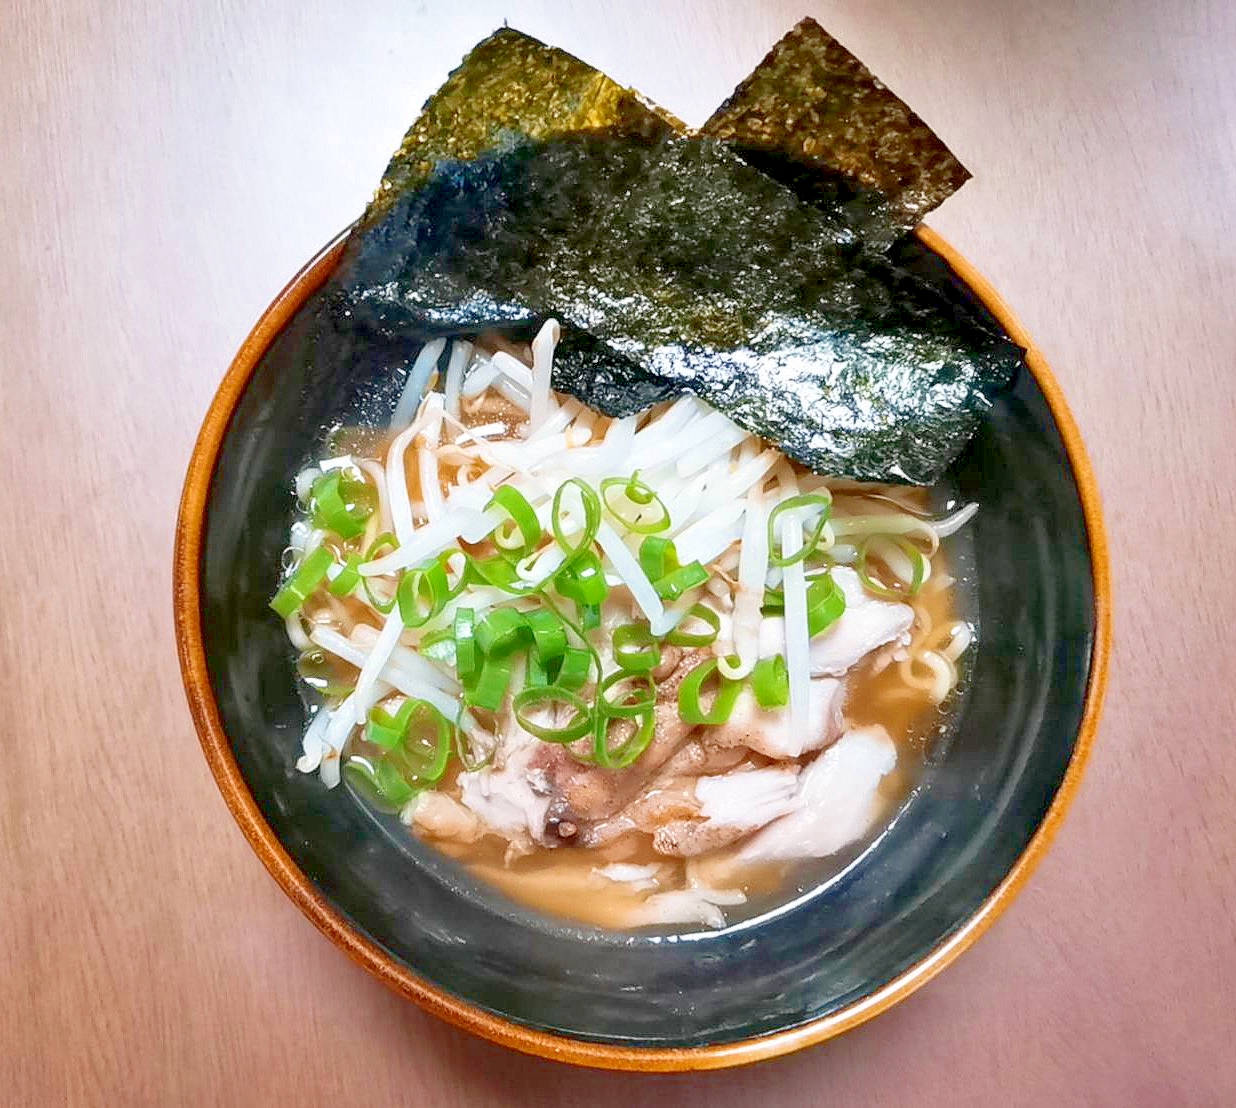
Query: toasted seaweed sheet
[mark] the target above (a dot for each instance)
(513, 86)
(811, 104)
(765, 268)
(680, 267)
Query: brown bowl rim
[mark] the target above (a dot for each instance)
(204, 709)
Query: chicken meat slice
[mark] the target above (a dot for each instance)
(584, 793)
(770, 733)
(512, 796)
(439, 816)
(729, 807)
(838, 797)
(686, 906)
(866, 624)
(669, 796)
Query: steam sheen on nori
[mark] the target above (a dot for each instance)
(681, 268)
(812, 104)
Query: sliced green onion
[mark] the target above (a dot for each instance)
(347, 578)
(591, 505)
(422, 594)
(590, 616)
(308, 576)
(522, 521)
(770, 681)
(385, 543)
(811, 539)
(917, 560)
(582, 579)
(467, 655)
(341, 504)
(626, 695)
(579, 724)
(536, 674)
(461, 582)
(463, 748)
(549, 638)
(630, 501)
(657, 557)
(683, 636)
(627, 752)
(387, 731)
(439, 647)
(690, 696)
(380, 781)
(825, 604)
(488, 690)
(636, 649)
(681, 580)
(499, 571)
(500, 632)
(426, 748)
(575, 669)
(774, 602)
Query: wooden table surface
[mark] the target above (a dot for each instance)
(166, 166)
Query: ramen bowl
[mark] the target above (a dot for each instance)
(984, 811)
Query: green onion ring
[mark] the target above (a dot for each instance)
(706, 615)
(592, 517)
(582, 579)
(385, 543)
(681, 580)
(308, 576)
(639, 497)
(825, 604)
(425, 727)
(439, 646)
(522, 516)
(488, 689)
(657, 557)
(630, 750)
(341, 504)
(575, 669)
(549, 639)
(810, 539)
(467, 654)
(770, 681)
(422, 594)
(380, 780)
(347, 578)
(501, 632)
(917, 559)
(499, 571)
(461, 583)
(622, 706)
(636, 649)
(578, 726)
(690, 707)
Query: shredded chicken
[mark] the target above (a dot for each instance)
(838, 801)
(730, 807)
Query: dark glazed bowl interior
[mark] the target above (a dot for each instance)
(980, 802)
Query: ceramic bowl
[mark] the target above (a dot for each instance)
(987, 807)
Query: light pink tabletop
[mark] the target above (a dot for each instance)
(166, 166)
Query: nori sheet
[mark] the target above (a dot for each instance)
(682, 268)
(811, 104)
(513, 86)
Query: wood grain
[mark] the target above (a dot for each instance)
(166, 166)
